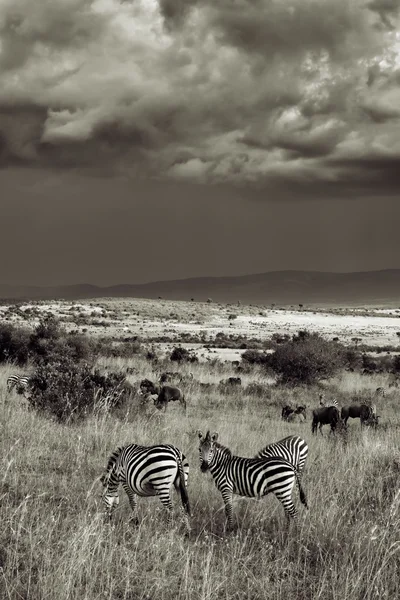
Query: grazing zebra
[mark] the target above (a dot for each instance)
(292, 448)
(250, 477)
(146, 471)
(19, 382)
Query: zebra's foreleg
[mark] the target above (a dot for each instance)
(227, 498)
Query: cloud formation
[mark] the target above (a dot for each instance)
(303, 94)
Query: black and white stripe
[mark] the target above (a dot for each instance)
(146, 471)
(250, 477)
(292, 448)
(19, 382)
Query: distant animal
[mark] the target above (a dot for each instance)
(292, 448)
(295, 417)
(325, 415)
(169, 393)
(324, 402)
(165, 394)
(380, 391)
(286, 411)
(146, 471)
(231, 381)
(289, 414)
(250, 477)
(21, 383)
(364, 412)
(170, 376)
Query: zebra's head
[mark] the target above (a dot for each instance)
(206, 449)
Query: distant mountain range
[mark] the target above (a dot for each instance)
(279, 287)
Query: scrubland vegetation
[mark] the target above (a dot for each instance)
(54, 542)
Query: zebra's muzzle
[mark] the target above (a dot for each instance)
(204, 467)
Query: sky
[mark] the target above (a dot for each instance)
(144, 140)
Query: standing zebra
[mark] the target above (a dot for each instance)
(293, 449)
(146, 471)
(19, 382)
(250, 477)
(323, 402)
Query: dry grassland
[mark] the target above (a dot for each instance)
(55, 545)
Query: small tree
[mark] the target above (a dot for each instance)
(307, 358)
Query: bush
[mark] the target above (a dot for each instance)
(50, 343)
(307, 358)
(14, 344)
(180, 354)
(255, 357)
(71, 391)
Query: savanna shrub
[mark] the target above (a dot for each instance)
(69, 390)
(255, 357)
(14, 344)
(307, 358)
(180, 354)
(50, 343)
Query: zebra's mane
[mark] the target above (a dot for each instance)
(224, 449)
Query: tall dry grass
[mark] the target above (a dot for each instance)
(55, 545)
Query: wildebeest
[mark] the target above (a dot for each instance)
(170, 376)
(165, 394)
(359, 411)
(289, 413)
(231, 381)
(326, 415)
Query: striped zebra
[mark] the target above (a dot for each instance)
(19, 382)
(323, 402)
(292, 448)
(146, 471)
(250, 477)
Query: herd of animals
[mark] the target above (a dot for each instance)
(153, 470)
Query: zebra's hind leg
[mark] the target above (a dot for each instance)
(289, 507)
(132, 502)
(167, 502)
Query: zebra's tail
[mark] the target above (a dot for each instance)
(303, 497)
(182, 486)
(110, 466)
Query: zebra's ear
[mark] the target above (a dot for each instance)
(214, 436)
(199, 433)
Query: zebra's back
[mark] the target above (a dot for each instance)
(292, 448)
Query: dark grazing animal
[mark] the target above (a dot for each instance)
(165, 394)
(146, 471)
(250, 477)
(170, 376)
(288, 413)
(169, 393)
(325, 415)
(358, 411)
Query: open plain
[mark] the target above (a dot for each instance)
(54, 542)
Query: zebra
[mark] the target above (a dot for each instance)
(146, 471)
(19, 382)
(323, 402)
(250, 477)
(380, 391)
(293, 449)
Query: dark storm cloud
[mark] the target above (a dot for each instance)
(263, 92)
